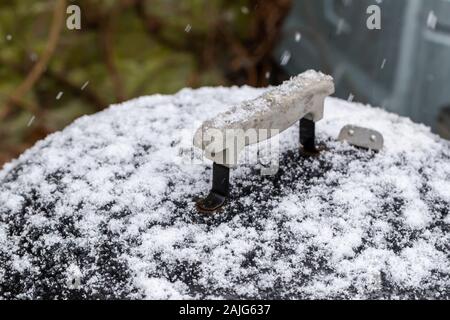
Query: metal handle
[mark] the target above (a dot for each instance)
(332, 17)
(224, 137)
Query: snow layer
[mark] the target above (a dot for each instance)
(104, 210)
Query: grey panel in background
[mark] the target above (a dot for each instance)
(404, 67)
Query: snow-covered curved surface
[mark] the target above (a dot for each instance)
(102, 210)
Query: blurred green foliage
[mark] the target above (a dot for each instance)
(125, 49)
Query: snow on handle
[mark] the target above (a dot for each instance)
(224, 137)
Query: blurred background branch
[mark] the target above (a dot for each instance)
(39, 68)
(125, 48)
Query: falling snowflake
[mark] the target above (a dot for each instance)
(33, 56)
(340, 27)
(432, 20)
(350, 97)
(286, 56)
(30, 122)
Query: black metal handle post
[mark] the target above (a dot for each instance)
(308, 135)
(219, 192)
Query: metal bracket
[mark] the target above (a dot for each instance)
(219, 192)
(362, 137)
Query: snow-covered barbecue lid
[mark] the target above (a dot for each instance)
(103, 210)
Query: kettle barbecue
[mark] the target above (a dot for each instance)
(103, 209)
